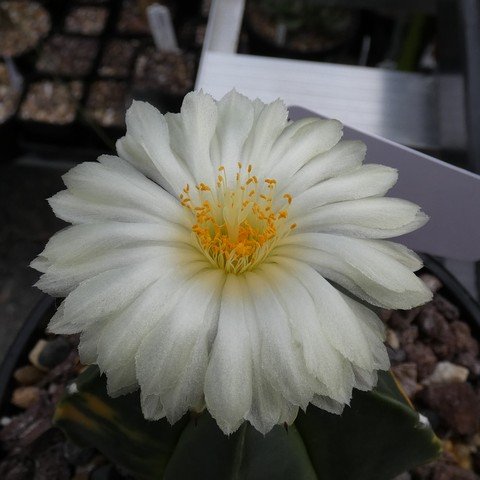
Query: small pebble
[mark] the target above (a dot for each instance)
(432, 282)
(392, 339)
(81, 475)
(35, 353)
(403, 476)
(4, 421)
(464, 342)
(28, 375)
(456, 404)
(469, 361)
(401, 319)
(17, 468)
(25, 397)
(445, 307)
(447, 372)
(408, 336)
(463, 455)
(423, 356)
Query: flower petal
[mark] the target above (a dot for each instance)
(343, 157)
(172, 359)
(152, 407)
(228, 380)
(103, 295)
(291, 152)
(339, 321)
(281, 360)
(147, 147)
(328, 404)
(365, 218)
(113, 190)
(268, 406)
(235, 121)
(80, 241)
(322, 360)
(122, 335)
(60, 279)
(362, 182)
(191, 132)
(270, 120)
(361, 254)
(352, 279)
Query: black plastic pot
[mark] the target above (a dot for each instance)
(8, 140)
(17, 354)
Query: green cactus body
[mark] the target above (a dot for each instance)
(376, 438)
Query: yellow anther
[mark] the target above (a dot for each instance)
(288, 197)
(237, 230)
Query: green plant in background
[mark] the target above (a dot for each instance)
(311, 15)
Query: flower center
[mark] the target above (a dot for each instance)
(237, 224)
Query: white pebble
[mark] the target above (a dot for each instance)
(447, 372)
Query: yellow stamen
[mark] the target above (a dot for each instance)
(234, 227)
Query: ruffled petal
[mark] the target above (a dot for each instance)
(270, 120)
(103, 295)
(339, 321)
(362, 182)
(112, 291)
(281, 361)
(191, 132)
(60, 279)
(235, 121)
(228, 381)
(343, 157)
(268, 405)
(378, 266)
(81, 241)
(172, 359)
(354, 279)
(147, 147)
(325, 363)
(292, 151)
(364, 218)
(113, 191)
(122, 335)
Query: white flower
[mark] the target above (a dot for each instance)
(208, 262)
